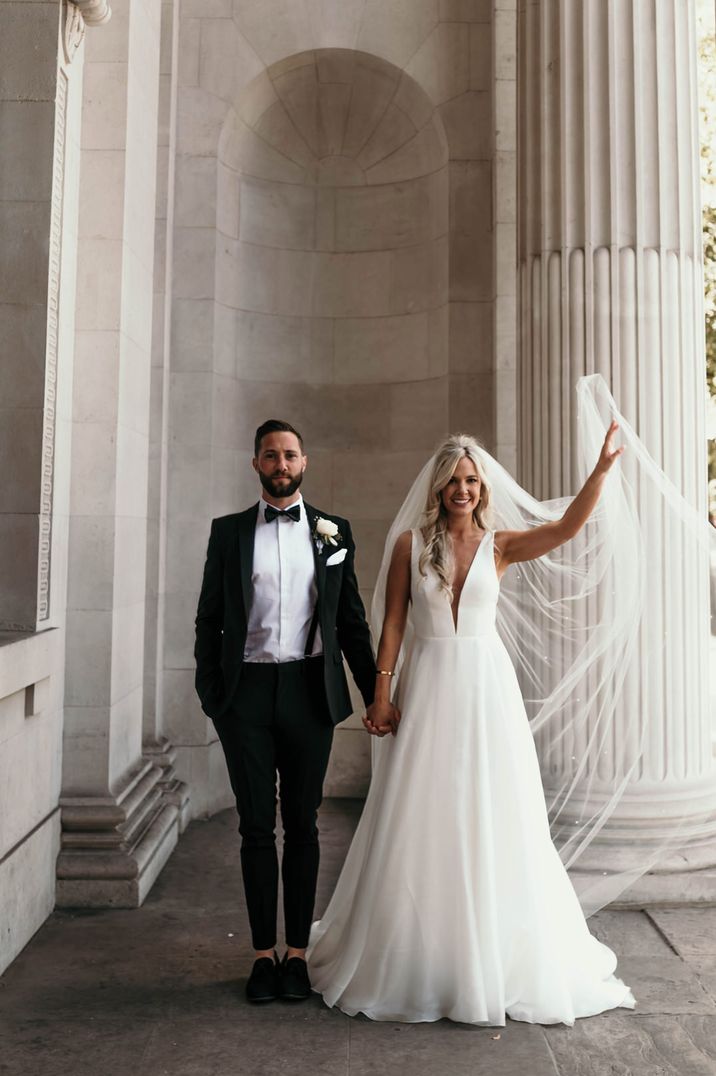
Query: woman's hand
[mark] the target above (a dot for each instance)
(608, 454)
(381, 718)
(514, 546)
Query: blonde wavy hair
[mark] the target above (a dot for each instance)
(437, 549)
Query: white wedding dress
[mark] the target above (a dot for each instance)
(453, 901)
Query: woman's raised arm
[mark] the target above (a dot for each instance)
(514, 546)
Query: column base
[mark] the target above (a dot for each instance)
(682, 879)
(204, 767)
(684, 876)
(114, 847)
(163, 754)
(669, 830)
(671, 891)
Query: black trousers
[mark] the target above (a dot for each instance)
(278, 723)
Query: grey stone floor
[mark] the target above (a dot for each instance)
(159, 992)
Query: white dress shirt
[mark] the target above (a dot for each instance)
(284, 589)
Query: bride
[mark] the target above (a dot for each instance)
(453, 900)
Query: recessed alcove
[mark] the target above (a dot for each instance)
(332, 275)
(333, 264)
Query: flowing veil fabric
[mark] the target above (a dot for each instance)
(576, 624)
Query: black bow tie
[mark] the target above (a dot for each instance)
(293, 513)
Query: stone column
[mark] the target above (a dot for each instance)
(118, 826)
(157, 746)
(610, 281)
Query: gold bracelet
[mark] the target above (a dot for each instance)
(385, 672)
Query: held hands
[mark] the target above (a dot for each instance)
(609, 454)
(381, 718)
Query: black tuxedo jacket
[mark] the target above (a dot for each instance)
(225, 600)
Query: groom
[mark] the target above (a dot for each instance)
(279, 603)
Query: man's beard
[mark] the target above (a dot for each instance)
(280, 489)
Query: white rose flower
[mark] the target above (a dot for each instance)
(325, 526)
(326, 532)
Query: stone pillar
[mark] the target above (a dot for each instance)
(157, 747)
(611, 281)
(118, 825)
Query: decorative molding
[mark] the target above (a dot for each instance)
(73, 31)
(94, 12)
(53, 306)
(504, 171)
(162, 755)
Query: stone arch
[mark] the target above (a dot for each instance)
(335, 280)
(333, 260)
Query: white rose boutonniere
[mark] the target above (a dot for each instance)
(326, 533)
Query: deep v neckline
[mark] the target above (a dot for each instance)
(455, 620)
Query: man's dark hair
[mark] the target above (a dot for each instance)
(274, 425)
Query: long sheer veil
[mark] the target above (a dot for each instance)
(579, 625)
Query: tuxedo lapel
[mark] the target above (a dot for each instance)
(246, 528)
(312, 515)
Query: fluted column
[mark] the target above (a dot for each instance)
(609, 239)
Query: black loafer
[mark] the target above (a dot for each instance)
(295, 984)
(263, 982)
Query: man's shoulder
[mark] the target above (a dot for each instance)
(233, 519)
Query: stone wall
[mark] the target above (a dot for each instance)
(333, 264)
(28, 85)
(40, 107)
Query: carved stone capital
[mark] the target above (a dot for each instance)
(94, 12)
(73, 30)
